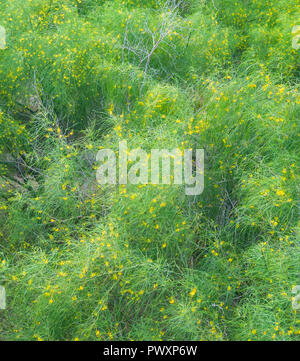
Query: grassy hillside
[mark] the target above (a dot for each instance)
(81, 261)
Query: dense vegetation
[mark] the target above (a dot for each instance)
(82, 261)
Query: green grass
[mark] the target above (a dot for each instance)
(82, 261)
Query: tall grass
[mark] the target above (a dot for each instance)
(82, 261)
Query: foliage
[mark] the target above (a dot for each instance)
(85, 262)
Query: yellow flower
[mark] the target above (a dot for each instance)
(193, 292)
